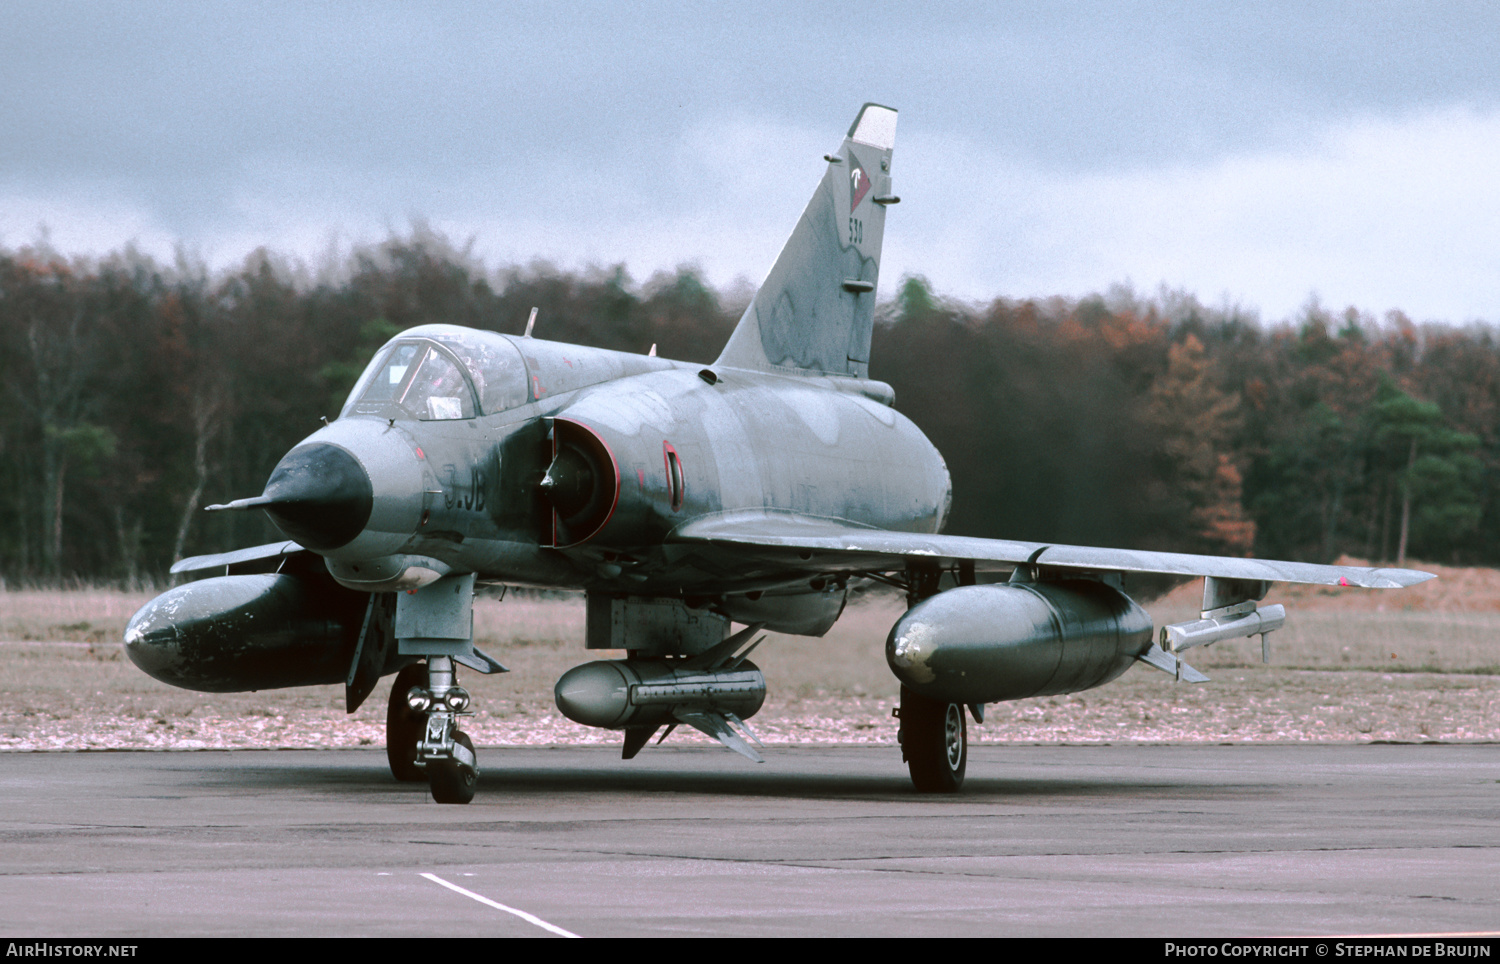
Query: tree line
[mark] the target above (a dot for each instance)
(138, 392)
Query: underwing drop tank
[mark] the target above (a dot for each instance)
(986, 644)
(232, 634)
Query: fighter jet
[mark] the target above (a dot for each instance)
(682, 499)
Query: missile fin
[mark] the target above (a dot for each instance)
(741, 724)
(716, 726)
(635, 738)
(1158, 658)
(712, 657)
(738, 660)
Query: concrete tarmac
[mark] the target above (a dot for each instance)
(1161, 841)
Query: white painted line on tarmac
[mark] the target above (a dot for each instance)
(528, 918)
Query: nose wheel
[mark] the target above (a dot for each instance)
(422, 738)
(405, 727)
(934, 742)
(453, 780)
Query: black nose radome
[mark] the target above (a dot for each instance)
(319, 495)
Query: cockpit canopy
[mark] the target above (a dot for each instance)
(439, 372)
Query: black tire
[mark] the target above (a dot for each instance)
(451, 781)
(935, 742)
(404, 727)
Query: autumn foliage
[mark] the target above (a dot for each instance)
(138, 392)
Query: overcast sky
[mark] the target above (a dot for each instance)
(1255, 153)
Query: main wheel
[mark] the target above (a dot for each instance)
(404, 727)
(935, 742)
(450, 780)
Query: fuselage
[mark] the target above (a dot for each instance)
(592, 458)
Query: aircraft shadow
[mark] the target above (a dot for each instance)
(618, 777)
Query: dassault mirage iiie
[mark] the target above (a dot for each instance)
(681, 498)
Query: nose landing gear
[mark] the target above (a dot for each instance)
(422, 738)
(423, 741)
(404, 726)
(453, 780)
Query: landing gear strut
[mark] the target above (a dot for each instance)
(934, 742)
(445, 751)
(422, 738)
(436, 623)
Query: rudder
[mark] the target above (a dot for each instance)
(814, 313)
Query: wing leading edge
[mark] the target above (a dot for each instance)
(273, 552)
(831, 545)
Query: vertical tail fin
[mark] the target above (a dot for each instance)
(814, 312)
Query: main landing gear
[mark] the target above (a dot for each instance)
(934, 742)
(423, 741)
